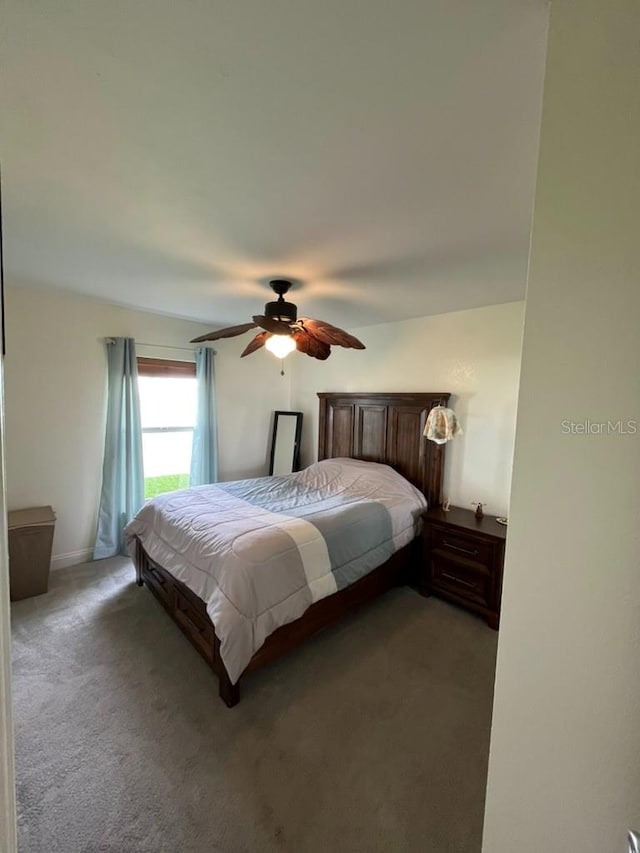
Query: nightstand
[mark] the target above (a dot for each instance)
(463, 560)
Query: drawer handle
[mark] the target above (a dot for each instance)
(458, 580)
(470, 551)
(184, 613)
(158, 577)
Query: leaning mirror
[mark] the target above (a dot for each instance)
(285, 443)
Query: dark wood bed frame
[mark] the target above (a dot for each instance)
(375, 427)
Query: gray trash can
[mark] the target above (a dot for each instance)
(30, 541)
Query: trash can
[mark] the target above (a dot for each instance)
(30, 541)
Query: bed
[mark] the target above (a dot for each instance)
(250, 569)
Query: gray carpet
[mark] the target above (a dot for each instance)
(371, 737)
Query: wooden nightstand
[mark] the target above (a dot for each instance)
(463, 560)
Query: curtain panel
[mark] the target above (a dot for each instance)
(122, 472)
(204, 456)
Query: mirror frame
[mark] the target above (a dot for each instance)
(295, 462)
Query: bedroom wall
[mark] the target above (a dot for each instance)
(473, 354)
(55, 403)
(55, 394)
(564, 772)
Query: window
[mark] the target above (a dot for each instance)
(168, 414)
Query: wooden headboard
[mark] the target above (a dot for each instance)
(385, 428)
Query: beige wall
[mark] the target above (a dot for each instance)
(55, 403)
(564, 772)
(55, 395)
(473, 354)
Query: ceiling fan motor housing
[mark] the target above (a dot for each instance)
(281, 310)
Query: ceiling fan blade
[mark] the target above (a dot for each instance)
(329, 334)
(229, 332)
(255, 343)
(311, 346)
(276, 327)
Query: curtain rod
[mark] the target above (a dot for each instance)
(181, 349)
(165, 346)
(161, 346)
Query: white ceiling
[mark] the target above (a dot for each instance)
(174, 156)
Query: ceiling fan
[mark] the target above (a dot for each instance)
(282, 330)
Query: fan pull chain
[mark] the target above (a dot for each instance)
(282, 367)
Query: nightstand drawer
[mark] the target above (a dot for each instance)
(460, 545)
(461, 579)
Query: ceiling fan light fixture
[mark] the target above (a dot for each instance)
(280, 345)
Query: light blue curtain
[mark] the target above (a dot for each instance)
(122, 473)
(204, 456)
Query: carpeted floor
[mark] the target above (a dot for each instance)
(371, 737)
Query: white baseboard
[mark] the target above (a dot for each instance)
(63, 561)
